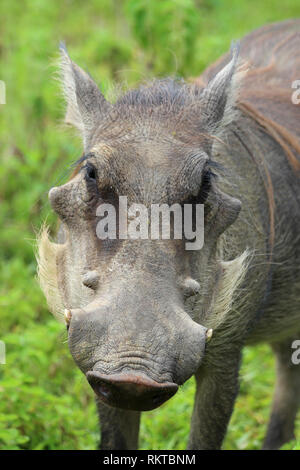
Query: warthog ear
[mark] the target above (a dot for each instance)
(85, 103)
(219, 96)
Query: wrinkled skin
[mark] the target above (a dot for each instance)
(139, 311)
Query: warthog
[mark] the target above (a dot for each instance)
(140, 312)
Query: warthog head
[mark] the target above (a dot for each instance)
(134, 306)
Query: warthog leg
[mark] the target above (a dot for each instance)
(119, 428)
(216, 392)
(286, 398)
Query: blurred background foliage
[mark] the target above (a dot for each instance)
(45, 402)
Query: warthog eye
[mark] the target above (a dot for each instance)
(90, 172)
(205, 186)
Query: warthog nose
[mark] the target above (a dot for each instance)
(129, 391)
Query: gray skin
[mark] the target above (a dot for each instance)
(140, 309)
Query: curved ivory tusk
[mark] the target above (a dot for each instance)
(67, 316)
(209, 334)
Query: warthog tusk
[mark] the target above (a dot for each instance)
(209, 334)
(68, 316)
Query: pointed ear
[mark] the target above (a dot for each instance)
(86, 105)
(219, 96)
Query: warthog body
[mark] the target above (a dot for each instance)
(140, 311)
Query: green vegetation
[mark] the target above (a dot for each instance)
(45, 402)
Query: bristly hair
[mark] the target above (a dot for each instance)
(46, 255)
(169, 92)
(171, 103)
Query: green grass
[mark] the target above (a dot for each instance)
(45, 402)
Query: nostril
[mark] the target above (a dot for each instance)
(104, 391)
(98, 386)
(157, 399)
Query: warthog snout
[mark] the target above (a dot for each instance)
(134, 359)
(130, 391)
